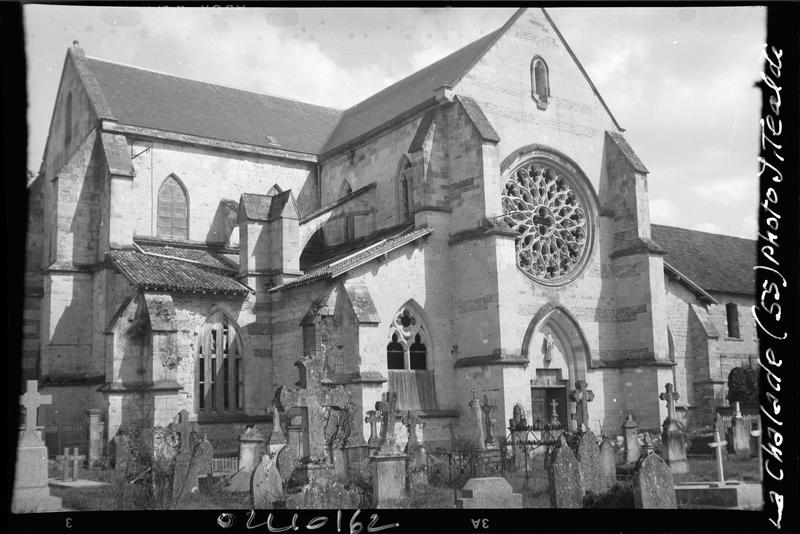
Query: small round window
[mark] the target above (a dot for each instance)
(542, 204)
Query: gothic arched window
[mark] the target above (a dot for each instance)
(220, 369)
(68, 121)
(732, 313)
(540, 82)
(407, 348)
(410, 361)
(173, 209)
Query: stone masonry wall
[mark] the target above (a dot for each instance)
(210, 176)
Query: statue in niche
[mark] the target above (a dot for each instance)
(548, 346)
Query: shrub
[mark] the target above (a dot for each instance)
(743, 385)
(146, 481)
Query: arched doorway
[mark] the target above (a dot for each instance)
(558, 354)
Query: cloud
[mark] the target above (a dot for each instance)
(664, 211)
(726, 191)
(708, 227)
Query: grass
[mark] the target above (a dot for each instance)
(705, 469)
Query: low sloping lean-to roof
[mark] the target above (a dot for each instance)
(149, 99)
(716, 263)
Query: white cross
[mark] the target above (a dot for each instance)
(718, 444)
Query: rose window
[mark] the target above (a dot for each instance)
(542, 208)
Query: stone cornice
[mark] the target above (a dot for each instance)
(491, 359)
(632, 362)
(206, 142)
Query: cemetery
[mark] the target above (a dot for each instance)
(311, 459)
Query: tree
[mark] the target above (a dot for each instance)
(743, 386)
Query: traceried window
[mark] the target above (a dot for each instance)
(407, 349)
(220, 371)
(173, 210)
(541, 204)
(540, 82)
(732, 312)
(409, 362)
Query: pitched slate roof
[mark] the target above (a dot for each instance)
(716, 263)
(339, 266)
(157, 273)
(408, 93)
(150, 99)
(204, 256)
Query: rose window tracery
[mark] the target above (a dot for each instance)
(543, 209)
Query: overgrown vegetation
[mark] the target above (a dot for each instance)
(145, 481)
(620, 495)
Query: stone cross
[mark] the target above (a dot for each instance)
(184, 429)
(582, 397)
(451, 426)
(554, 413)
(410, 419)
(670, 396)
(312, 401)
(387, 408)
(76, 462)
(31, 401)
(718, 444)
(487, 409)
(372, 418)
(63, 459)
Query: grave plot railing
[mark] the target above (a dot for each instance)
(521, 443)
(225, 466)
(453, 469)
(58, 437)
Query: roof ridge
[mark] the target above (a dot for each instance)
(703, 232)
(162, 73)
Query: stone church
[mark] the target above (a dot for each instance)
(479, 225)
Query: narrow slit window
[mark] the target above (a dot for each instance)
(540, 82)
(732, 312)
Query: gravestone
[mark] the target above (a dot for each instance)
(339, 430)
(372, 418)
(564, 477)
(739, 435)
(487, 410)
(582, 397)
(64, 466)
(608, 462)
(387, 466)
(718, 444)
(31, 492)
(488, 492)
(313, 402)
(251, 448)
(653, 485)
(96, 431)
(416, 463)
(630, 441)
(477, 433)
(192, 462)
(589, 465)
(673, 444)
(266, 485)
(76, 460)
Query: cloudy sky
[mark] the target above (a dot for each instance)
(679, 80)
